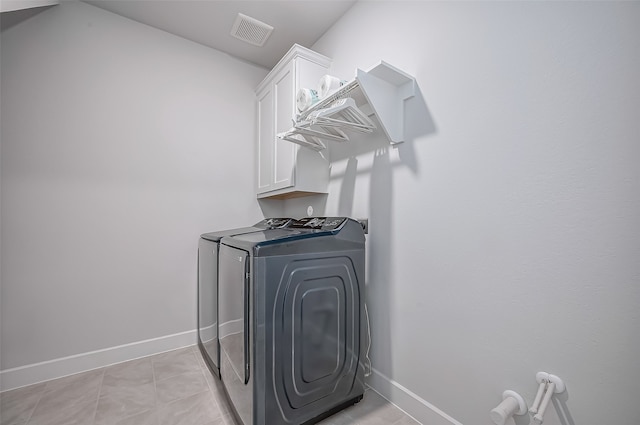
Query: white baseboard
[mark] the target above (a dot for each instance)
(407, 401)
(57, 368)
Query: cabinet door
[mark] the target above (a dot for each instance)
(266, 121)
(284, 152)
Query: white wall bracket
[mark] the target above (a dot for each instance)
(386, 88)
(559, 383)
(549, 385)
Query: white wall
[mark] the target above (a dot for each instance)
(505, 233)
(121, 144)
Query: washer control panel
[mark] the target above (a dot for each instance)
(318, 223)
(273, 223)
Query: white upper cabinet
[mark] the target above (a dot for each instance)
(285, 169)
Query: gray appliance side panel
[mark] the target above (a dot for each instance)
(310, 334)
(208, 300)
(234, 330)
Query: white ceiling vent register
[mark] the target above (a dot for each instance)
(251, 30)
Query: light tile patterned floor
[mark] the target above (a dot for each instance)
(173, 388)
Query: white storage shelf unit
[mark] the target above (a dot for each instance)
(383, 88)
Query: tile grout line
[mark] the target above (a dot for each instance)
(155, 391)
(196, 371)
(204, 370)
(119, 420)
(26, 422)
(95, 410)
(193, 353)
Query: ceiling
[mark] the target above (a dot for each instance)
(209, 22)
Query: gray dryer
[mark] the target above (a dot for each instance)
(291, 313)
(208, 287)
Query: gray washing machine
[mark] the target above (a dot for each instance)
(208, 287)
(291, 308)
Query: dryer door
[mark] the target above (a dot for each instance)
(315, 334)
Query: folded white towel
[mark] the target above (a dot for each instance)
(305, 98)
(329, 83)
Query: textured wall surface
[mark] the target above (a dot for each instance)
(504, 234)
(121, 144)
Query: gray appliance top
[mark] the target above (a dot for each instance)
(305, 228)
(267, 223)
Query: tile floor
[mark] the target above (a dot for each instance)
(172, 388)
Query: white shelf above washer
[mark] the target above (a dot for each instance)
(383, 87)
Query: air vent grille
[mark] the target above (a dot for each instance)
(251, 30)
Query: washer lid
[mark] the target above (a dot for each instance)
(216, 236)
(267, 223)
(263, 236)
